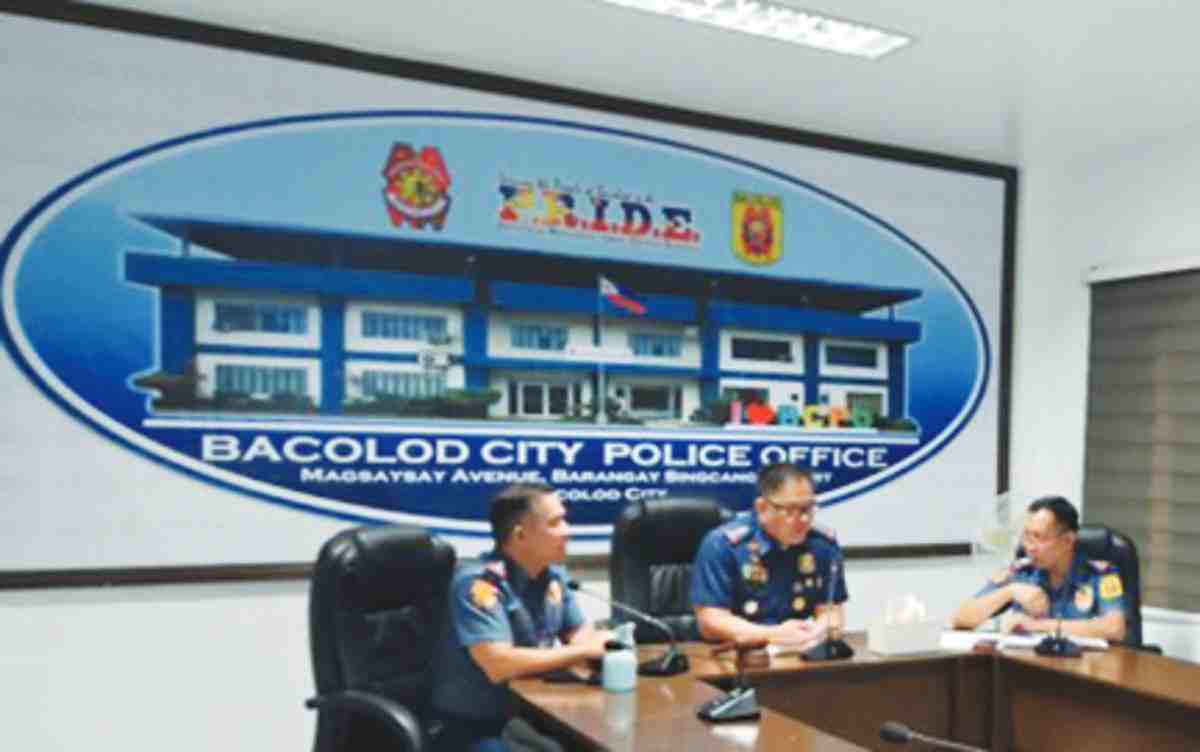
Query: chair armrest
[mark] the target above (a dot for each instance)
(1156, 649)
(398, 719)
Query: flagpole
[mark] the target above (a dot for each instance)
(601, 400)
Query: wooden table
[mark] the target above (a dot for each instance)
(1115, 700)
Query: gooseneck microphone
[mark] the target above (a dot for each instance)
(832, 648)
(898, 733)
(741, 702)
(669, 663)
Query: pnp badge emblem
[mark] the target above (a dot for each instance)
(757, 230)
(417, 188)
(483, 594)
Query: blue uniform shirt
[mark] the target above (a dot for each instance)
(495, 601)
(741, 568)
(1092, 588)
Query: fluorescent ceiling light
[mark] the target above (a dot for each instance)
(772, 19)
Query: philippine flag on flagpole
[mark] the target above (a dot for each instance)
(620, 298)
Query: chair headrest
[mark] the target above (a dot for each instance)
(393, 564)
(675, 526)
(1096, 541)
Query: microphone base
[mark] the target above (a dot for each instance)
(1058, 647)
(739, 704)
(830, 650)
(671, 663)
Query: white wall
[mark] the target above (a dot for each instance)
(182, 667)
(1118, 208)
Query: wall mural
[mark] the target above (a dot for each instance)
(384, 315)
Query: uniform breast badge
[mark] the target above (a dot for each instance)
(799, 604)
(554, 592)
(753, 571)
(1110, 586)
(1084, 598)
(808, 564)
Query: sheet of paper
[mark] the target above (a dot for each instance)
(795, 648)
(959, 640)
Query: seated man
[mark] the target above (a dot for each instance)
(1055, 583)
(504, 616)
(768, 572)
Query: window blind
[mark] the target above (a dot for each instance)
(1142, 473)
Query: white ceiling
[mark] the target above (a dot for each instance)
(1007, 82)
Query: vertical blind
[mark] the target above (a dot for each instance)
(1142, 472)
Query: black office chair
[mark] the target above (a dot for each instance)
(376, 608)
(1103, 543)
(653, 546)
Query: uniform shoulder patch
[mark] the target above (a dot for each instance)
(736, 534)
(1110, 586)
(826, 531)
(484, 595)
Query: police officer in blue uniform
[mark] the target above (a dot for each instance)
(770, 573)
(511, 615)
(1054, 585)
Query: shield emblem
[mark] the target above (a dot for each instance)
(757, 229)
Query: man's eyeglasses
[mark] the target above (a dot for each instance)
(1040, 539)
(793, 511)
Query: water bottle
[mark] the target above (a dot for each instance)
(619, 670)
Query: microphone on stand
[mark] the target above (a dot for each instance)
(833, 648)
(670, 663)
(1058, 645)
(898, 733)
(741, 702)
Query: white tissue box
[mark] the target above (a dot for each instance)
(896, 639)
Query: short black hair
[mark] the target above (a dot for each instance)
(1064, 511)
(511, 504)
(773, 477)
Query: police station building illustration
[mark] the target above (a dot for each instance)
(256, 318)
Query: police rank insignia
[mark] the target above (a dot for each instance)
(1084, 598)
(735, 534)
(554, 592)
(808, 564)
(1110, 586)
(483, 594)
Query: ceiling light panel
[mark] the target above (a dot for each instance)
(774, 20)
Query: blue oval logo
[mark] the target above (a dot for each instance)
(385, 315)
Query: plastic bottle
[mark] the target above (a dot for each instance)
(619, 670)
